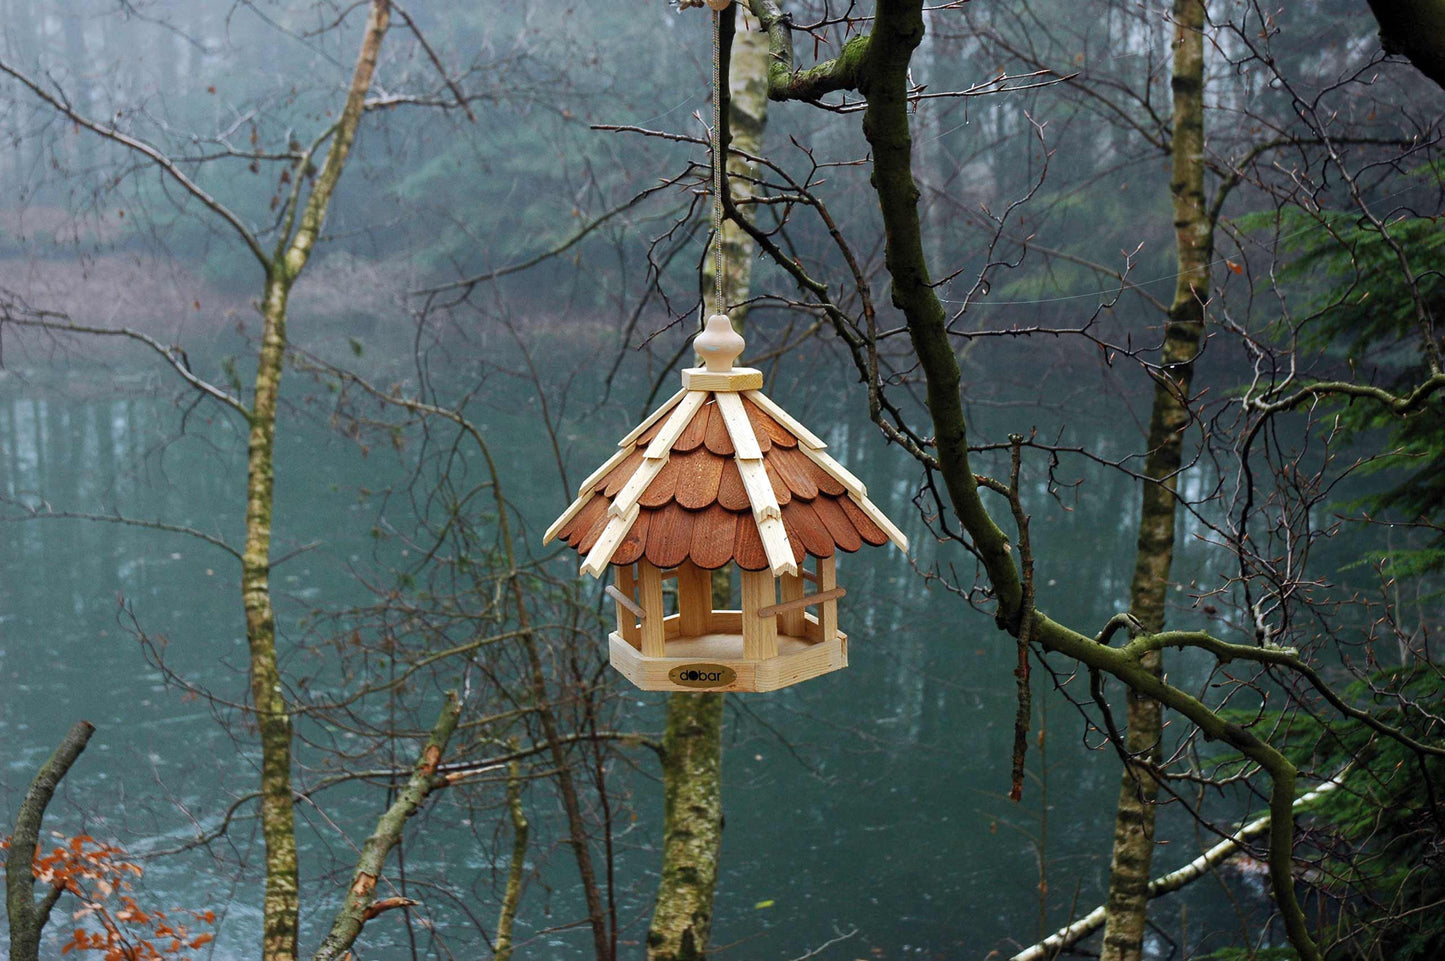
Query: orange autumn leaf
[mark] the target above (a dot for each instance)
(98, 876)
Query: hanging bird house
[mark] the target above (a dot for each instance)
(720, 475)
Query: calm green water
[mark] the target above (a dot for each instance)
(872, 800)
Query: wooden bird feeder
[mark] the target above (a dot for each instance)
(720, 475)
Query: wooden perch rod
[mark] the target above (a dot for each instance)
(807, 601)
(626, 602)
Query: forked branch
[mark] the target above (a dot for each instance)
(27, 917)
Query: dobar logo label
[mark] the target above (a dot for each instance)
(702, 676)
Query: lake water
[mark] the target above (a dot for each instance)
(870, 801)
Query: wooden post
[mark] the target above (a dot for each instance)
(654, 636)
(791, 622)
(694, 600)
(828, 612)
(760, 634)
(626, 580)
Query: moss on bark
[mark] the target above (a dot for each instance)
(692, 833)
(1134, 820)
(280, 902)
(692, 743)
(898, 29)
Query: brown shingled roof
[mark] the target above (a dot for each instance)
(697, 504)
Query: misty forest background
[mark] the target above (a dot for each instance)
(509, 271)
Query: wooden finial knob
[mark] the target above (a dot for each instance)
(719, 345)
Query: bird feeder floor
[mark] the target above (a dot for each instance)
(798, 658)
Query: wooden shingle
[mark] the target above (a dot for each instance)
(633, 544)
(840, 528)
(669, 538)
(699, 477)
(713, 533)
(717, 438)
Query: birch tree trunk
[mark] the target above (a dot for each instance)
(1062, 940)
(1134, 819)
(747, 80)
(278, 827)
(692, 739)
(692, 827)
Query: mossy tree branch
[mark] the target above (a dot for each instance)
(882, 79)
(502, 944)
(359, 905)
(787, 83)
(27, 917)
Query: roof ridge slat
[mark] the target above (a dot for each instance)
(608, 542)
(836, 471)
(740, 429)
(652, 418)
(618, 456)
(631, 492)
(677, 422)
(899, 539)
(572, 511)
(776, 545)
(759, 488)
(806, 437)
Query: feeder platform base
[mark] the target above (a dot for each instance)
(715, 662)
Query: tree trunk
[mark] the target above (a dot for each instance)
(692, 742)
(278, 828)
(27, 917)
(747, 106)
(1414, 29)
(1128, 898)
(692, 827)
(877, 66)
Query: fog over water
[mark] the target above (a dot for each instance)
(871, 799)
(869, 805)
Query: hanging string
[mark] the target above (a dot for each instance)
(718, 164)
